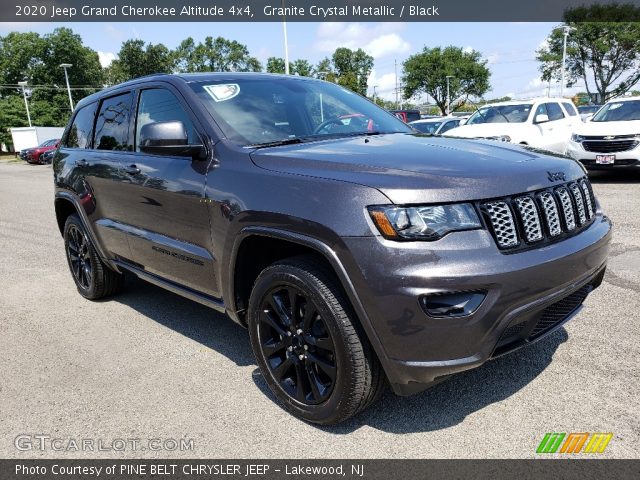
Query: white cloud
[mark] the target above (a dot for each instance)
(385, 84)
(379, 40)
(106, 58)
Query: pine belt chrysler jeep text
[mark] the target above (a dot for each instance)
(354, 249)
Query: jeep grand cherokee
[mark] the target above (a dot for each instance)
(354, 249)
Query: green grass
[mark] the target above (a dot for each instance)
(9, 158)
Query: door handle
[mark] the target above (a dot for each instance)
(82, 163)
(132, 169)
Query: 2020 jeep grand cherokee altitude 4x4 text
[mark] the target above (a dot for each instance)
(355, 251)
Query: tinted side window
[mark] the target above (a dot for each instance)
(112, 124)
(555, 112)
(449, 125)
(160, 105)
(571, 110)
(79, 135)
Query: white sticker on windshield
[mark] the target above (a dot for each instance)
(222, 92)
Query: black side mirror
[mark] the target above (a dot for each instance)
(168, 138)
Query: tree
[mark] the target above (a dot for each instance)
(136, 60)
(324, 70)
(603, 50)
(426, 73)
(352, 68)
(214, 55)
(302, 67)
(276, 65)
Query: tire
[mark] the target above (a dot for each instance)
(320, 366)
(92, 277)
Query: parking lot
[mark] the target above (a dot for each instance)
(149, 364)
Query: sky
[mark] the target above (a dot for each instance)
(509, 48)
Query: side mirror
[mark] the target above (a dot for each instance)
(167, 138)
(541, 118)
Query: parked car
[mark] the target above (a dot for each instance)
(437, 126)
(353, 257)
(47, 156)
(587, 111)
(33, 155)
(611, 139)
(407, 115)
(544, 123)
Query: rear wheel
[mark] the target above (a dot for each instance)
(307, 343)
(93, 278)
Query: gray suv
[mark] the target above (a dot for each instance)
(356, 251)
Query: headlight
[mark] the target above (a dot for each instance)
(500, 138)
(424, 223)
(576, 138)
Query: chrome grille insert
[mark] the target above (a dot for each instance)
(567, 208)
(577, 195)
(587, 198)
(551, 215)
(530, 219)
(503, 224)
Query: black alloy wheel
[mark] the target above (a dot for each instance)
(297, 345)
(79, 256)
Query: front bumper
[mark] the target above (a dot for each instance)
(626, 159)
(418, 350)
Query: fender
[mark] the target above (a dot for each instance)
(330, 255)
(75, 200)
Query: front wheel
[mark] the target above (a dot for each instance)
(308, 345)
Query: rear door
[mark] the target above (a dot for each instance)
(164, 198)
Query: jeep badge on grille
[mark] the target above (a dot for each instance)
(556, 176)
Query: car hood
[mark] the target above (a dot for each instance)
(410, 168)
(609, 128)
(483, 130)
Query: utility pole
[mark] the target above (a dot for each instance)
(26, 104)
(566, 29)
(374, 93)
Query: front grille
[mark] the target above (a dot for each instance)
(559, 311)
(522, 221)
(609, 146)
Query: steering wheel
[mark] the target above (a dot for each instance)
(326, 123)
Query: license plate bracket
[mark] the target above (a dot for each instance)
(605, 159)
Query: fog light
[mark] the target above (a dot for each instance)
(458, 304)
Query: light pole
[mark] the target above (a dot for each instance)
(66, 76)
(286, 43)
(374, 93)
(566, 29)
(448, 96)
(26, 104)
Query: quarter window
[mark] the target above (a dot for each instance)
(571, 110)
(160, 105)
(79, 135)
(112, 124)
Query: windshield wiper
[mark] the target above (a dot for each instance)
(277, 143)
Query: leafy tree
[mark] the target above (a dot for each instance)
(215, 55)
(324, 70)
(136, 59)
(426, 73)
(276, 65)
(302, 67)
(352, 68)
(603, 50)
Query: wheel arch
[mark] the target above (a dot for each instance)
(289, 244)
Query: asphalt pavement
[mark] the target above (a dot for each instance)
(150, 365)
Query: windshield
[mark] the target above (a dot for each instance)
(427, 127)
(618, 112)
(501, 114)
(48, 143)
(256, 111)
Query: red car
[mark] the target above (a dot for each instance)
(34, 155)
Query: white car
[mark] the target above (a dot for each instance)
(545, 123)
(611, 138)
(437, 126)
